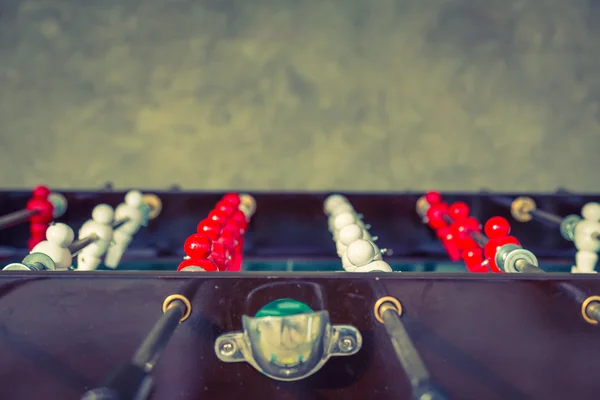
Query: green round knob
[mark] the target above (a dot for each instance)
(283, 308)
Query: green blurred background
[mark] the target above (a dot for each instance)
(301, 94)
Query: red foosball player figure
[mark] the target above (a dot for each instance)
(463, 227)
(221, 248)
(209, 228)
(497, 229)
(43, 216)
(239, 221)
(219, 237)
(197, 249)
(439, 220)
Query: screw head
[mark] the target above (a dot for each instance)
(347, 344)
(227, 348)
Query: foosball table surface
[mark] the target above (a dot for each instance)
(481, 336)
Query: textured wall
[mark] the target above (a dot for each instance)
(301, 94)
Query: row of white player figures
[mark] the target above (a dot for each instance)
(586, 237)
(108, 232)
(354, 244)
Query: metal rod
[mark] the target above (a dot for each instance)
(591, 309)
(525, 206)
(149, 351)
(479, 238)
(119, 223)
(525, 267)
(573, 292)
(546, 216)
(80, 244)
(15, 218)
(502, 200)
(407, 354)
(405, 350)
(133, 380)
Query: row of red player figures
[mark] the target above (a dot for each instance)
(457, 229)
(218, 242)
(46, 206)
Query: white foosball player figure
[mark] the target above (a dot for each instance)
(341, 210)
(348, 234)
(100, 226)
(56, 246)
(360, 255)
(333, 202)
(133, 211)
(354, 243)
(587, 240)
(341, 220)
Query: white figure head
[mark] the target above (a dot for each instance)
(60, 235)
(332, 202)
(361, 252)
(350, 233)
(103, 213)
(591, 212)
(134, 198)
(341, 208)
(344, 219)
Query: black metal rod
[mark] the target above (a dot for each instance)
(119, 223)
(413, 365)
(502, 200)
(158, 338)
(133, 381)
(545, 216)
(573, 292)
(80, 244)
(16, 218)
(536, 214)
(579, 296)
(405, 350)
(525, 267)
(479, 238)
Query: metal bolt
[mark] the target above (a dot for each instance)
(227, 348)
(347, 344)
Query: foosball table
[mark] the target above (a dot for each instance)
(187, 295)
